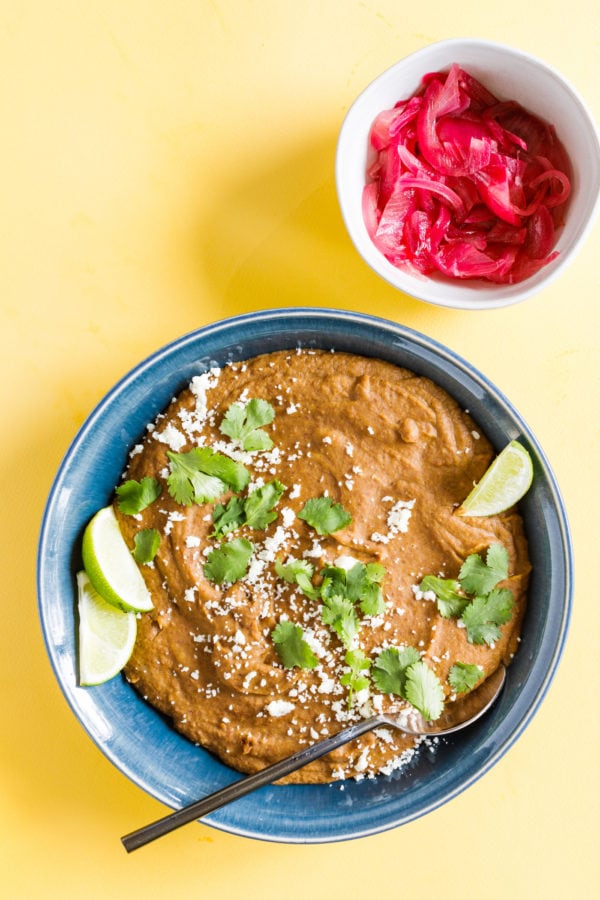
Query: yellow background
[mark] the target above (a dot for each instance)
(165, 164)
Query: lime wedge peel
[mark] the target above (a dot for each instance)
(106, 635)
(504, 483)
(110, 566)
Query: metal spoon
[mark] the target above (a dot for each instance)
(457, 716)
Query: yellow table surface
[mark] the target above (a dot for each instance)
(165, 164)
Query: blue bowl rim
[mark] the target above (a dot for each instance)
(423, 342)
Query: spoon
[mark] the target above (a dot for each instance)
(456, 717)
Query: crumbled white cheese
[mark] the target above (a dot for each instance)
(288, 516)
(199, 387)
(397, 521)
(172, 437)
(346, 562)
(277, 708)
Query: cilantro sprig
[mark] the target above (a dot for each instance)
(342, 592)
(401, 671)
(325, 516)
(145, 545)
(475, 598)
(292, 647)
(424, 691)
(360, 584)
(479, 577)
(257, 510)
(389, 669)
(464, 676)
(243, 422)
(356, 678)
(450, 599)
(202, 475)
(300, 572)
(340, 614)
(483, 616)
(134, 496)
(229, 562)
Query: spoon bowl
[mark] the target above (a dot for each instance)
(454, 717)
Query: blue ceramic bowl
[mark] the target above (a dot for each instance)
(140, 742)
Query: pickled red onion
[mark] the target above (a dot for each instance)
(464, 184)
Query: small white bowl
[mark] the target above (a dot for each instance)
(511, 75)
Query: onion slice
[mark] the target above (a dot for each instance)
(465, 184)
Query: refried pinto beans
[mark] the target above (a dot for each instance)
(398, 455)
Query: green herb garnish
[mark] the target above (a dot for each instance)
(300, 572)
(229, 562)
(257, 510)
(360, 584)
(424, 691)
(340, 614)
(146, 544)
(134, 496)
(479, 577)
(325, 516)
(464, 676)
(227, 517)
(487, 607)
(450, 600)
(202, 475)
(357, 678)
(403, 672)
(292, 647)
(259, 507)
(483, 615)
(243, 422)
(342, 592)
(389, 669)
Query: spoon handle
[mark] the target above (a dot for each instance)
(244, 786)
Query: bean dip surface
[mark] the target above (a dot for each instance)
(399, 455)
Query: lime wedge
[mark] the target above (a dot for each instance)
(502, 485)
(106, 635)
(110, 566)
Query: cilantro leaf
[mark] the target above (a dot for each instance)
(234, 474)
(243, 422)
(134, 496)
(478, 577)
(356, 678)
(292, 647)
(372, 602)
(229, 562)
(227, 517)
(359, 584)
(423, 689)
(325, 516)
(334, 582)
(256, 510)
(260, 503)
(464, 676)
(146, 543)
(362, 583)
(389, 669)
(340, 614)
(450, 602)
(483, 615)
(202, 474)
(300, 572)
